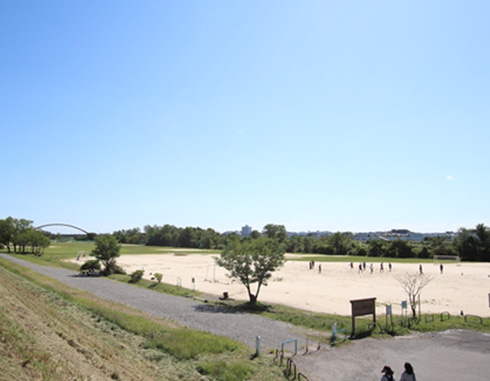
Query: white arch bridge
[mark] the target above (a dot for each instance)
(61, 224)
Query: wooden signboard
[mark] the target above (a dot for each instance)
(361, 307)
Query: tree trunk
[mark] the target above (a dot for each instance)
(251, 297)
(413, 305)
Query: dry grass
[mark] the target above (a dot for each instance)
(57, 333)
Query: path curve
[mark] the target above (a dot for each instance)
(242, 327)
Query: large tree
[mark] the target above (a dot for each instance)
(473, 244)
(276, 232)
(106, 250)
(252, 261)
(7, 232)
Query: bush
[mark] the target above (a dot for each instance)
(136, 276)
(158, 277)
(112, 268)
(92, 264)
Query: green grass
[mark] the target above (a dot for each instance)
(164, 288)
(322, 322)
(356, 259)
(183, 344)
(226, 370)
(186, 344)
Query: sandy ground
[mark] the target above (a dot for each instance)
(461, 287)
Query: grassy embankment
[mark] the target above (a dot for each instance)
(50, 331)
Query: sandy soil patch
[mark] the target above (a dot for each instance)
(465, 287)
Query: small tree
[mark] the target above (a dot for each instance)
(252, 261)
(136, 276)
(413, 283)
(107, 250)
(158, 277)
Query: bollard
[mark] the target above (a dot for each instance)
(257, 346)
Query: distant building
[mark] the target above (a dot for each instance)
(246, 231)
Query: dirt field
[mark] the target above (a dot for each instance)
(461, 287)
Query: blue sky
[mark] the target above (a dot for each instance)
(319, 115)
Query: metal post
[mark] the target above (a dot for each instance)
(257, 346)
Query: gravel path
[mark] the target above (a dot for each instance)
(450, 355)
(190, 313)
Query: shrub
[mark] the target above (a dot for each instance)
(92, 264)
(136, 276)
(158, 277)
(113, 268)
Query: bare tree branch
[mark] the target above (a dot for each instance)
(413, 284)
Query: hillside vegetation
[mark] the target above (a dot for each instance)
(51, 332)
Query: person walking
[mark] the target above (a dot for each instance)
(389, 375)
(408, 374)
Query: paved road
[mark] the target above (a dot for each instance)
(451, 355)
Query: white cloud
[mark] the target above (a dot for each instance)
(449, 178)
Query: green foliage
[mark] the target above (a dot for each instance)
(19, 234)
(277, 232)
(107, 250)
(158, 277)
(169, 235)
(377, 248)
(136, 276)
(222, 370)
(252, 261)
(159, 287)
(400, 249)
(185, 344)
(92, 264)
(341, 244)
(423, 253)
(474, 244)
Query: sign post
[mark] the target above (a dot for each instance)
(389, 312)
(361, 307)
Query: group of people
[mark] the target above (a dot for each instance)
(407, 375)
(362, 267)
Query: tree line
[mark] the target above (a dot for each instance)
(18, 235)
(469, 244)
